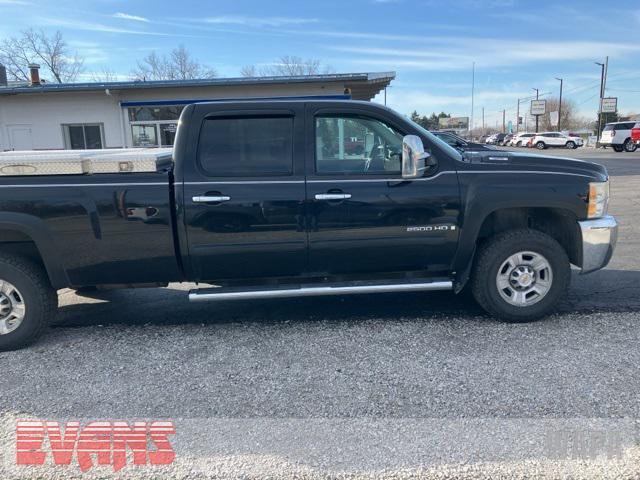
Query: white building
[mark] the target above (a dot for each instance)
(144, 113)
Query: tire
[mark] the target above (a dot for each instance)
(540, 146)
(489, 269)
(519, 144)
(618, 148)
(28, 302)
(570, 145)
(629, 146)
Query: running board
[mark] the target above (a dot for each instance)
(314, 290)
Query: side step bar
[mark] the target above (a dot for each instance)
(314, 290)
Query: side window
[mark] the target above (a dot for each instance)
(356, 145)
(249, 146)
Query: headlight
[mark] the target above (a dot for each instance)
(598, 199)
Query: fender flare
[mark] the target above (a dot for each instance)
(38, 231)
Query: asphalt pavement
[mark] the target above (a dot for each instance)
(404, 385)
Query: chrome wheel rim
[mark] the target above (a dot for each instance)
(12, 307)
(524, 279)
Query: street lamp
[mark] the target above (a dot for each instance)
(603, 66)
(537, 116)
(560, 103)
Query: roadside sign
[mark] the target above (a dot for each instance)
(454, 123)
(510, 127)
(609, 105)
(553, 118)
(538, 107)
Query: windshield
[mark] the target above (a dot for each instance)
(438, 141)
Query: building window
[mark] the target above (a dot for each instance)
(83, 136)
(151, 114)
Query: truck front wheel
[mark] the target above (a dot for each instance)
(27, 302)
(520, 275)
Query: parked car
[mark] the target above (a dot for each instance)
(617, 135)
(507, 138)
(460, 143)
(245, 205)
(555, 139)
(635, 135)
(491, 139)
(521, 139)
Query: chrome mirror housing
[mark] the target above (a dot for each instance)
(413, 157)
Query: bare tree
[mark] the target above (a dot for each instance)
(569, 118)
(178, 65)
(32, 46)
(287, 66)
(106, 75)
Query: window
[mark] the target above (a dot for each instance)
(144, 135)
(83, 137)
(248, 147)
(146, 114)
(356, 145)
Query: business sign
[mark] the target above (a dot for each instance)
(553, 118)
(454, 123)
(609, 105)
(538, 107)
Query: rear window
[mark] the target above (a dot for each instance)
(249, 146)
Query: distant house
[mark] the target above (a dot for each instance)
(44, 116)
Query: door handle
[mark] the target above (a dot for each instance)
(333, 196)
(210, 199)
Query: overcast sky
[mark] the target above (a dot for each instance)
(431, 44)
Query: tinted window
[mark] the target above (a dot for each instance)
(247, 146)
(352, 144)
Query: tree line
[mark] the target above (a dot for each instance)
(62, 65)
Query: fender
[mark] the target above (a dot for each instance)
(38, 231)
(482, 201)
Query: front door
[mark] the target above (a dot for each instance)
(20, 137)
(244, 198)
(363, 217)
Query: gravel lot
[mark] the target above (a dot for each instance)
(395, 385)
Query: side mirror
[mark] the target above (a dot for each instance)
(414, 158)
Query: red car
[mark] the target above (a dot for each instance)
(635, 136)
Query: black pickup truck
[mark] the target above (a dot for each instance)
(263, 199)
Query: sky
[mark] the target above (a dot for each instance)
(516, 45)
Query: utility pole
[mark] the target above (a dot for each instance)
(483, 132)
(473, 87)
(504, 125)
(518, 117)
(604, 67)
(537, 116)
(560, 104)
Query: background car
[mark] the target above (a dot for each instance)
(507, 138)
(521, 139)
(555, 139)
(460, 143)
(496, 138)
(617, 135)
(635, 136)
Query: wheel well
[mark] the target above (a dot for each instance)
(19, 243)
(558, 223)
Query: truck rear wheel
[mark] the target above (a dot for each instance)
(27, 302)
(520, 275)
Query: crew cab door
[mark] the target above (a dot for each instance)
(244, 192)
(362, 216)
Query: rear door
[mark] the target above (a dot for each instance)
(244, 192)
(362, 216)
